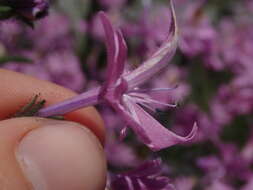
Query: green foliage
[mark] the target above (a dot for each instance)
(5, 12)
(74, 9)
(31, 108)
(20, 59)
(237, 131)
(205, 83)
(183, 158)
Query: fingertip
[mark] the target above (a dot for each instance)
(62, 156)
(50, 154)
(89, 117)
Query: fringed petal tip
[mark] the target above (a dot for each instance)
(177, 140)
(193, 132)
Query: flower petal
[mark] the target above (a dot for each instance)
(116, 51)
(150, 131)
(159, 59)
(148, 168)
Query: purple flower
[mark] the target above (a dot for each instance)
(120, 154)
(51, 34)
(64, 69)
(9, 32)
(197, 32)
(60, 67)
(249, 185)
(121, 89)
(219, 185)
(147, 176)
(29, 9)
(184, 183)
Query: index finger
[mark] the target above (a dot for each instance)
(18, 89)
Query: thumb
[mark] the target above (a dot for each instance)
(45, 154)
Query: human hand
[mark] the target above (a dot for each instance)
(45, 154)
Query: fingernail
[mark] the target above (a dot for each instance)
(62, 155)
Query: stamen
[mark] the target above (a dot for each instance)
(123, 133)
(153, 90)
(152, 101)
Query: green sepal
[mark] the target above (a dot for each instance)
(6, 12)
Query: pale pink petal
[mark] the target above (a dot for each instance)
(150, 131)
(159, 59)
(116, 50)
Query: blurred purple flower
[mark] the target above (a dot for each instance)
(219, 112)
(236, 46)
(145, 177)
(222, 169)
(52, 55)
(219, 185)
(119, 154)
(248, 185)
(237, 167)
(60, 67)
(232, 100)
(56, 32)
(247, 150)
(64, 69)
(197, 31)
(148, 32)
(213, 167)
(9, 32)
(184, 183)
(157, 17)
(32, 69)
(29, 9)
(121, 92)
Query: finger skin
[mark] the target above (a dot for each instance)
(12, 131)
(18, 89)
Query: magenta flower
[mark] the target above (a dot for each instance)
(146, 176)
(29, 9)
(121, 89)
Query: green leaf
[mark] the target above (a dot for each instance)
(238, 131)
(5, 12)
(6, 59)
(5, 9)
(31, 108)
